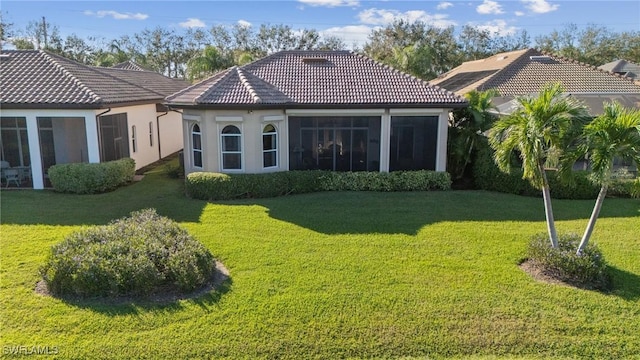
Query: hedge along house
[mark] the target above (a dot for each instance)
(329, 110)
(54, 111)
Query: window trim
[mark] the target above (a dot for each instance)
(274, 150)
(193, 151)
(134, 140)
(151, 133)
(240, 143)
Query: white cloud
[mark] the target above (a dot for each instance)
(385, 17)
(540, 6)
(330, 3)
(444, 5)
(499, 27)
(489, 7)
(193, 23)
(244, 23)
(117, 15)
(519, 13)
(352, 35)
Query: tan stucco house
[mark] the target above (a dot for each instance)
(331, 110)
(54, 111)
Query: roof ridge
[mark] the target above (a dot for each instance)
(51, 58)
(518, 59)
(588, 66)
(422, 81)
(247, 85)
(224, 74)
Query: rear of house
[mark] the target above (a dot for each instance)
(57, 111)
(329, 110)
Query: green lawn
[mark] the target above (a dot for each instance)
(333, 275)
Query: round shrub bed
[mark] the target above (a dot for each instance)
(137, 255)
(588, 270)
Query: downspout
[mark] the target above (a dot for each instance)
(158, 128)
(100, 132)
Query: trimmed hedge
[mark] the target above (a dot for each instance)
(487, 176)
(216, 186)
(588, 270)
(83, 178)
(135, 255)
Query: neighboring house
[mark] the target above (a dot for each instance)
(524, 72)
(623, 68)
(129, 65)
(331, 110)
(55, 111)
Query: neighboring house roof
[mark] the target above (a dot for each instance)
(622, 67)
(129, 65)
(39, 79)
(314, 79)
(525, 72)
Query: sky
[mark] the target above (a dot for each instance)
(351, 20)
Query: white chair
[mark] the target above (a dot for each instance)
(12, 175)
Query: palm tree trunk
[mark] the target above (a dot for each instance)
(592, 220)
(548, 210)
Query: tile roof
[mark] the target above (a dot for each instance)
(314, 78)
(36, 78)
(524, 72)
(627, 68)
(129, 65)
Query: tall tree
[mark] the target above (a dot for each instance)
(542, 126)
(615, 133)
(466, 128)
(209, 61)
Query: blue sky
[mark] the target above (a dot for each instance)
(352, 20)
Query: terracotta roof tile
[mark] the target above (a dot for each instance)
(314, 78)
(32, 78)
(524, 72)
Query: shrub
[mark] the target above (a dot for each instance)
(487, 176)
(83, 178)
(216, 186)
(137, 255)
(588, 270)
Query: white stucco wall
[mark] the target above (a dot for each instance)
(251, 124)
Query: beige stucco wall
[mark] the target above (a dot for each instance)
(148, 151)
(252, 122)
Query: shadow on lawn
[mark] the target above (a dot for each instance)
(156, 190)
(625, 284)
(204, 298)
(407, 213)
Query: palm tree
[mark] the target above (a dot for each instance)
(467, 126)
(207, 63)
(615, 133)
(538, 129)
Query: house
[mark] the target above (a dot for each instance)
(55, 111)
(330, 110)
(622, 67)
(524, 72)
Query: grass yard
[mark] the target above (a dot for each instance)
(332, 275)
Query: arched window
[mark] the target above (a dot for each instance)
(196, 146)
(269, 146)
(231, 141)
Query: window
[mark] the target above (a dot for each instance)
(338, 143)
(413, 143)
(14, 142)
(134, 144)
(269, 147)
(231, 140)
(113, 137)
(196, 146)
(151, 133)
